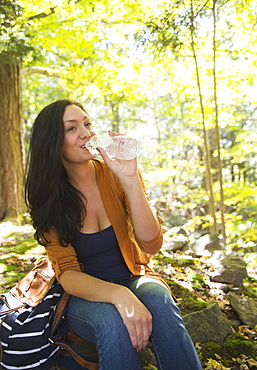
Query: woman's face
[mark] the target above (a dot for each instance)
(77, 131)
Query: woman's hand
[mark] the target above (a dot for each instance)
(135, 316)
(121, 168)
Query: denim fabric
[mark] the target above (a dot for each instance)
(101, 323)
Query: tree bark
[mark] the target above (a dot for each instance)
(212, 208)
(217, 129)
(11, 143)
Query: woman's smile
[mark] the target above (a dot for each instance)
(77, 132)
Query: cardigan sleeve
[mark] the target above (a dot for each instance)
(62, 258)
(158, 240)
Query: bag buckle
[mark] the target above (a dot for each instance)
(43, 274)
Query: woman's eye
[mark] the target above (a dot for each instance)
(71, 128)
(88, 124)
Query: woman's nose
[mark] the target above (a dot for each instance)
(84, 132)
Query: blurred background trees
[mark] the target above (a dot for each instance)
(180, 76)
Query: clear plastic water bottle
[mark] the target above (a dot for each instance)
(120, 147)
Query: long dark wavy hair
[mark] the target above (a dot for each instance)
(52, 200)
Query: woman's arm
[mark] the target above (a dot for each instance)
(146, 225)
(135, 315)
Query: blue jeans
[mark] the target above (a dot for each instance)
(101, 323)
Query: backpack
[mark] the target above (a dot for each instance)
(33, 329)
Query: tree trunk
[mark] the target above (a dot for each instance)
(11, 145)
(115, 117)
(209, 182)
(222, 207)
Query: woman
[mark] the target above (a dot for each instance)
(96, 214)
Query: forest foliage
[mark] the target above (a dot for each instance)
(180, 76)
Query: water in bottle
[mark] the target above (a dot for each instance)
(120, 147)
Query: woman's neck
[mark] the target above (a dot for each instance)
(82, 176)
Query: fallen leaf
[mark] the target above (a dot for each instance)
(252, 363)
(215, 365)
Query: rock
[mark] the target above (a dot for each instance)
(245, 307)
(147, 357)
(175, 243)
(175, 238)
(230, 270)
(204, 246)
(208, 325)
(177, 230)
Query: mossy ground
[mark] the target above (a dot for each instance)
(231, 353)
(19, 252)
(188, 301)
(250, 287)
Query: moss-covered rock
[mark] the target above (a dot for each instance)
(188, 301)
(232, 348)
(237, 345)
(160, 259)
(250, 287)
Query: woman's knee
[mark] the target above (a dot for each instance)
(152, 291)
(95, 320)
(159, 301)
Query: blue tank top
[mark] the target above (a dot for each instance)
(101, 256)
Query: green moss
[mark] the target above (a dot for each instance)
(250, 279)
(188, 301)
(185, 262)
(233, 347)
(10, 280)
(161, 259)
(209, 350)
(237, 345)
(21, 247)
(191, 304)
(250, 291)
(15, 260)
(179, 262)
(198, 281)
(250, 287)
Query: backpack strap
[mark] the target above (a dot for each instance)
(84, 361)
(9, 309)
(58, 333)
(60, 311)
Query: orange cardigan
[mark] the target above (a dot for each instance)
(117, 208)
